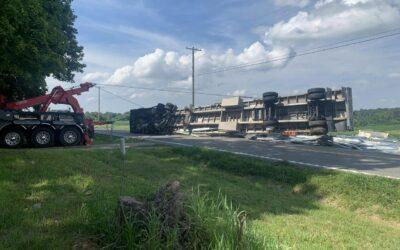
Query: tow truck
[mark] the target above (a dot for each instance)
(42, 128)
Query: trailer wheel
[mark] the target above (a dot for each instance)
(42, 137)
(316, 96)
(70, 136)
(12, 138)
(318, 131)
(318, 123)
(270, 97)
(316, 90)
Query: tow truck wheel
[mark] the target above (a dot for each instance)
(70, 136)
(42, 137)
(12, 138)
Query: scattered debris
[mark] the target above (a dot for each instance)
(158, 120)
(373, 134)
(352, 142)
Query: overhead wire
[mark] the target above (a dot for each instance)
(121, 97)
(319, 49)
(171, 90)
(332, 46)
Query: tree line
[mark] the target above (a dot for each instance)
(108, 116)
(365, 117)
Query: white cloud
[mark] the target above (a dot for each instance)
(95, 76)
(335, 19)
(295, 3)
(120, 75)
(354, 2)
(173, 69)
(239, 92)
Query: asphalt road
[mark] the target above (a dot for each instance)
(363, 161)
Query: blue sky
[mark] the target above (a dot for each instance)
(143, 43)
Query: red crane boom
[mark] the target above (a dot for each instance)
(57, 96)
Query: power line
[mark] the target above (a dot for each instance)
(171, 90)
(122, 98)
(307, 52)
(316, 48)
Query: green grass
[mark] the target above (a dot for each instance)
(118, 125)
(106, 139)
(291, 207)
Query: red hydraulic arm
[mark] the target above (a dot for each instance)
(57, 96)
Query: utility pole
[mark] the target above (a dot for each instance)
(98, 106)
(193, 49)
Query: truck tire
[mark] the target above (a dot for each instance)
(42, 137)
(318, 131)
(270, 97)
(316, 90)
(70, 136)
(318, 123)
(316, 96)
(12, 138)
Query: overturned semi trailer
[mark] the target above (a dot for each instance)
(158, 120)
(316, 112)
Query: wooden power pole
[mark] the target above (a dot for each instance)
(193, 49)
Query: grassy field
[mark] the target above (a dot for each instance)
(118, 125)
(47, 197)
(106, 139)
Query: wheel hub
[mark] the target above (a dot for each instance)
(70, 137)
(43, 138)
(12, 139)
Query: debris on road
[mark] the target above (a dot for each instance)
(372, 134)
(354, 142)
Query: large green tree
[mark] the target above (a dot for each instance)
(37, 40)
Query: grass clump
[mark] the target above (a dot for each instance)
(207, 223)
(100, 139)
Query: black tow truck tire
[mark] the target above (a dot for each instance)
(42, 137)
(70, 136)
(12, 138)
